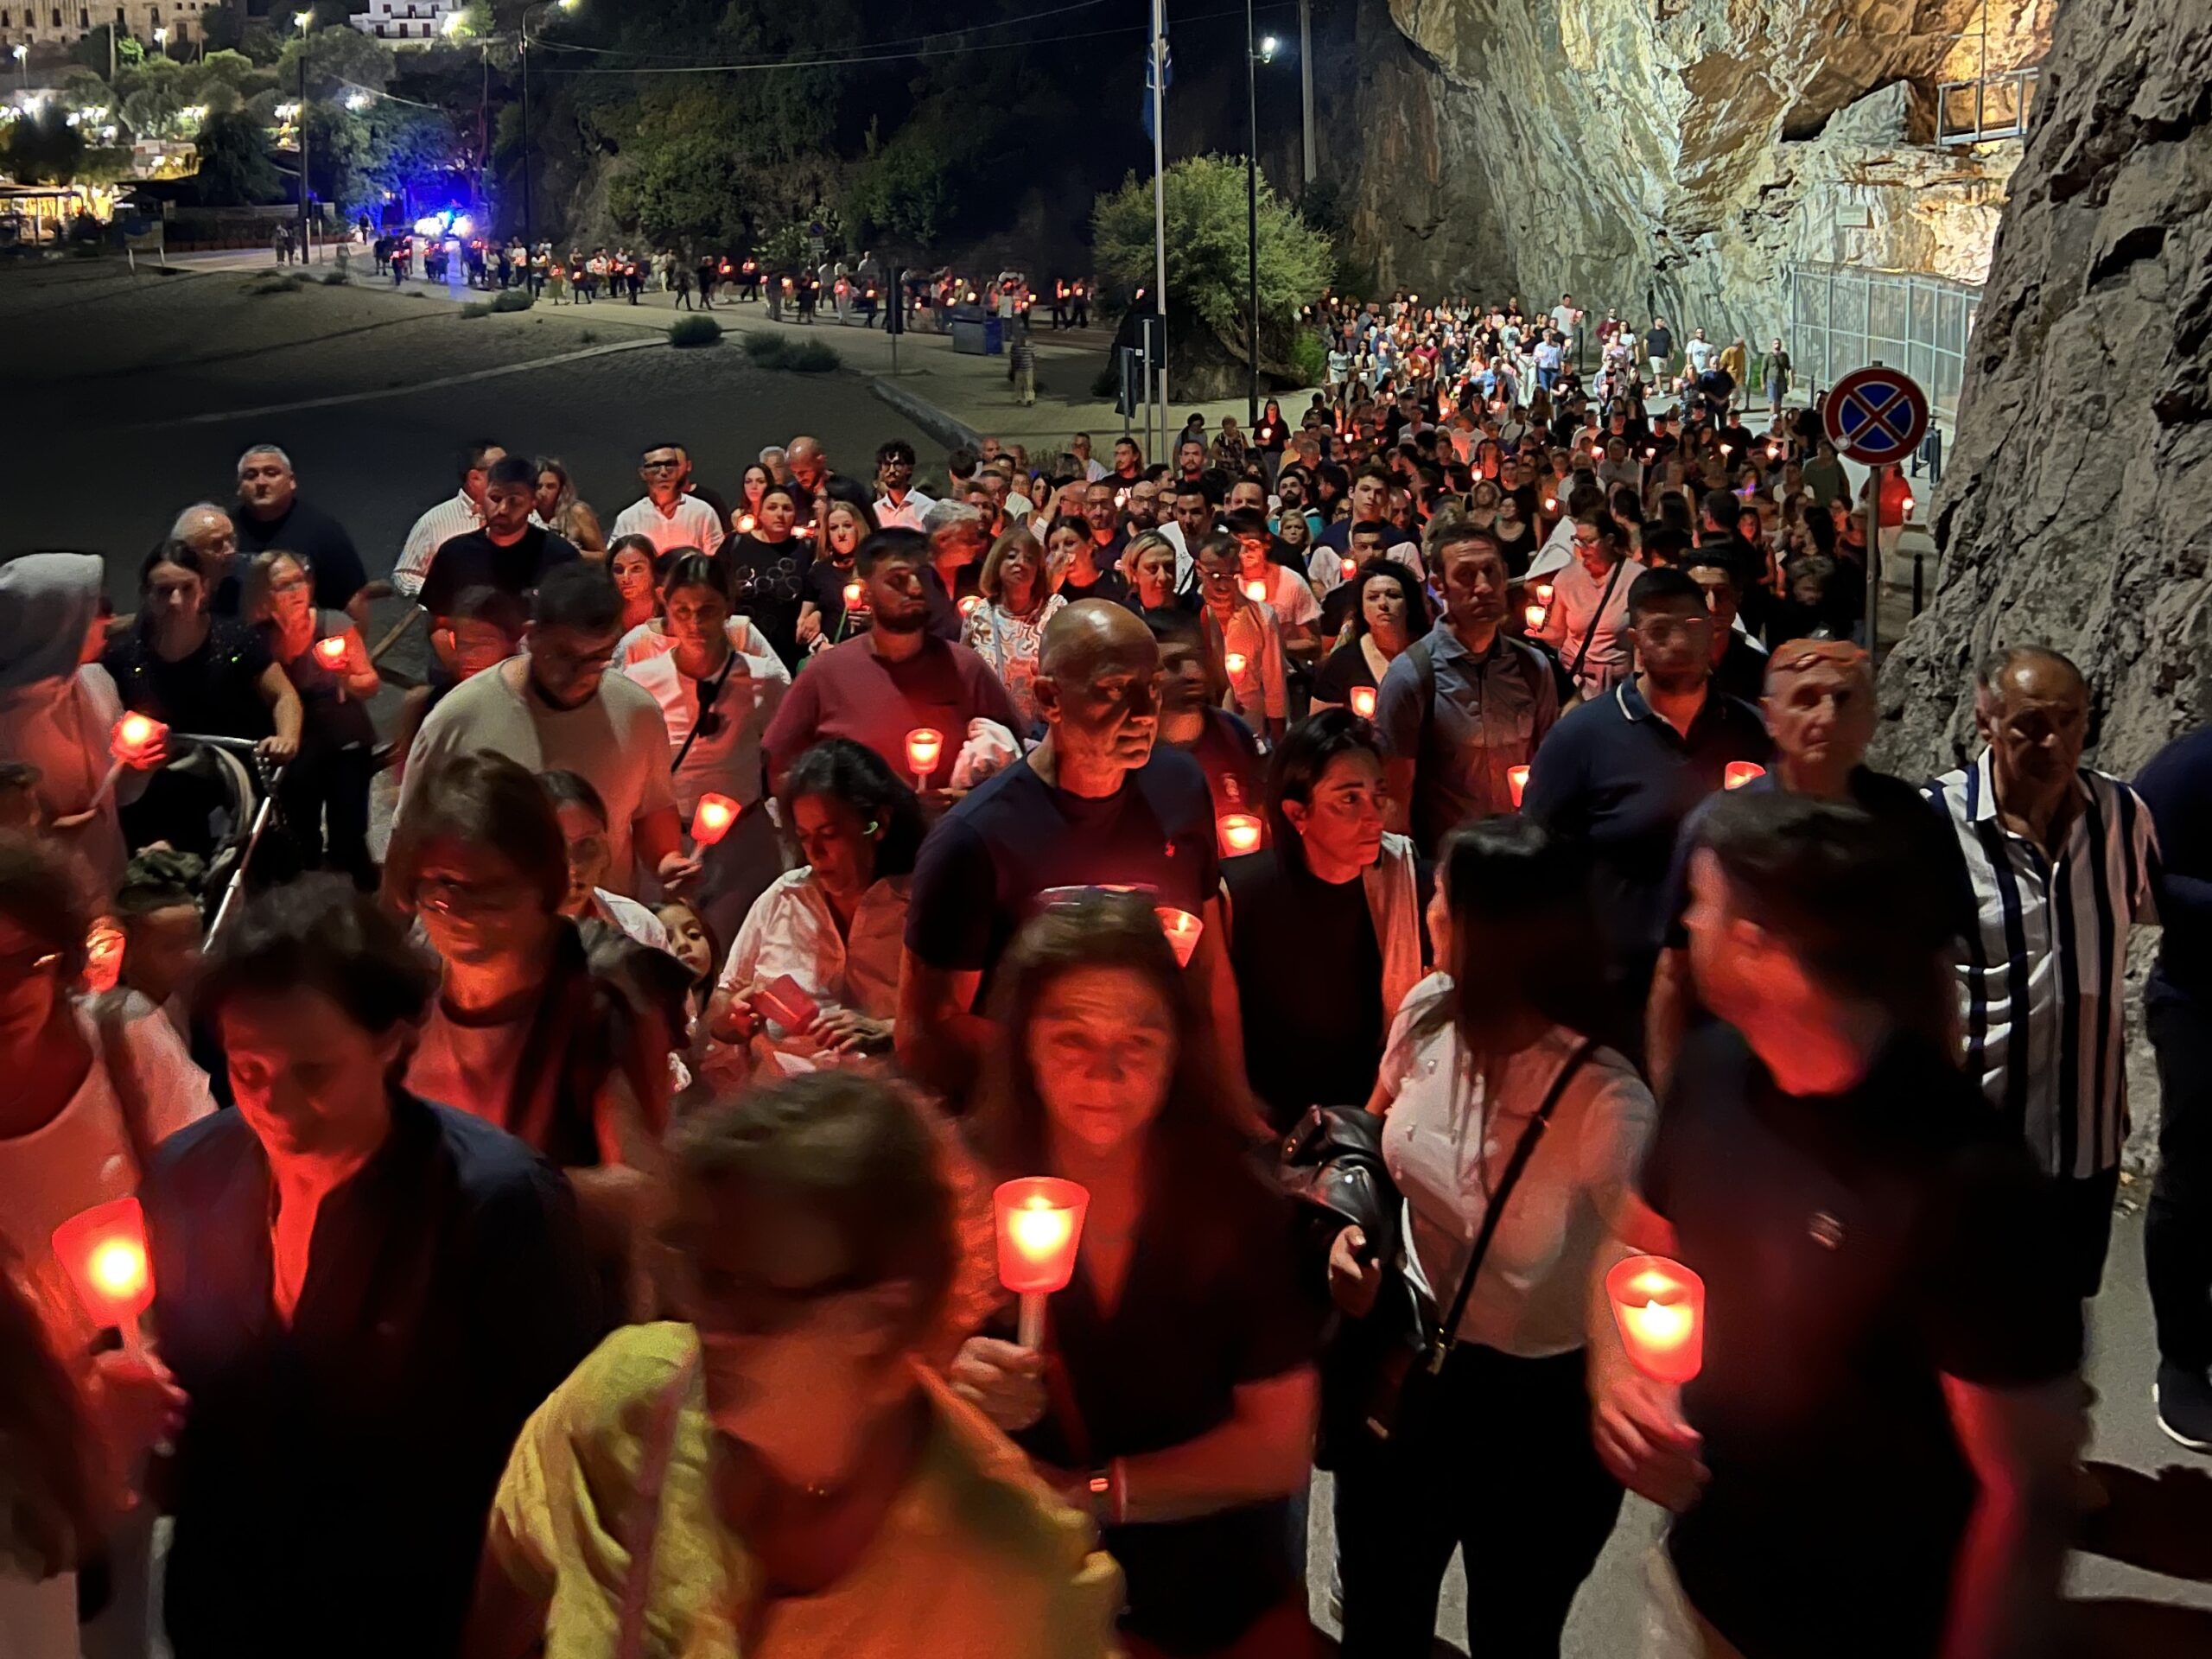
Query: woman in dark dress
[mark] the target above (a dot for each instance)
(195, 673)
(324, 795)
(1175, 1391)
(1389, 610)
(767, 570)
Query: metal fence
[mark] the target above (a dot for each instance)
(1977, 111)
(1844, 317)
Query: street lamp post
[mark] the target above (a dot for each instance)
(307, 236)
(24, 63)
(1256, 54)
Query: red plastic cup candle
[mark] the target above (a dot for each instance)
(1039, 1225)
(103, 1250)
(1534, 617)
(331, 650)
(136, 738)
(855, 596)
(1363, 701)
(745, 524)
(712, 817)
(1659, 1306)
(102, 958)
(1349, 568)
(1255, 591)
(971, 605)
(1516, 783)
(1737, 773)
(1241, 832)
(1908, 504)
(924, 746)
(1234, 662)
(1182, 929)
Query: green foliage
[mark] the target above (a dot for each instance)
(773, 351)
(767, 350)
(681, 191)
(690, 331)
(1206, 251)
(261, 43)
(1312, 358)
(787, 249)
(909, 190)
(42, 148)
(90, 50)
(336, 278)
(476, 308)
(337, 59)
(358, 155)
(235, 170)
(511, 299)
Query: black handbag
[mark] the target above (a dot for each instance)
(1377, 1371)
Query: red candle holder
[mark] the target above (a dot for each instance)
(1533, 616)
(1544, 593)
(1256, 592)
(1737, 773)
(103, 1250)
(331, 650)
(1039, 1225)
(1516, 783)
(971, 605)
(924, 746)
(137, 739)
(102, 958)
(1363, 701)
(1241, 832)
(1235, 661)
(1659, 1306)
(1182, 929)
(712, 817)
(855, 596)
(1349, 568)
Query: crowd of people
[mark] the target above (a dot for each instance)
(1400, 865)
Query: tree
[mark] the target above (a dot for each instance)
(1206, 248)
(338, 59)
(91, 49)
(358, 156)
(42, 148)
(235, 170)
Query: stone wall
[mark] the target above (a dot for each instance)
(1663, 155)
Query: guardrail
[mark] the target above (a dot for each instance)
(1986, 109)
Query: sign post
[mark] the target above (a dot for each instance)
(1876, 417)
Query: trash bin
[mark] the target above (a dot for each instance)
(977, 332)
(994, 337)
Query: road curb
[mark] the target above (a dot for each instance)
(952, 433)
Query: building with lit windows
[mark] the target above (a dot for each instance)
(64, 22)
(402, 21)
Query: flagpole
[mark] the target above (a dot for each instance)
(1160, 207)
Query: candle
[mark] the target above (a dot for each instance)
(924, 746)
(712, 817)
(745, 524)
(1516, 783)
(1544, 593)
(331, 651)
(1659, 1306)
(1349, 568)
(1040, 1225)
(1534, 617)
(1234, 662)
(971, 605)
(1737, 773)
(855, 596)
(1182, 929)
(1551, 504)
(102, 958)
(1255, 591)
(137, 739)
(1907, 505)
(1241, 832)
(103, 1250)
(1363, 701)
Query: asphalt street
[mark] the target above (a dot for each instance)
(124, 398)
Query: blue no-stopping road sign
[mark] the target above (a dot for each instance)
(1876, 415)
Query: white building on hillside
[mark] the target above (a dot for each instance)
(64, 22)
(401, 21)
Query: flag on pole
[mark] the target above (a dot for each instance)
(1162, 55)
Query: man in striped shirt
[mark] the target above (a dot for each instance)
(2061, 860)
(665, 516)
(456, 515)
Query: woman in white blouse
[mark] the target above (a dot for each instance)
(1008, 630)
(1498, 1463)
(835, 925)
(717, 697)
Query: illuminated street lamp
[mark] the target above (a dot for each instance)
(23, 62)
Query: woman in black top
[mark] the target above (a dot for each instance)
(195, 673)
(766, 569)
(1389, 611)
(325, 794)
(1269, 436)
(1175, 1393)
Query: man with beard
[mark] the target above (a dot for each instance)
(1098, 802)
(510, 552)
(896, 678)
(665, 515)
(1621, 771)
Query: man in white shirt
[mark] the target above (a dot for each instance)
(456, 515)
(1564, 321)
(1079, 447)
(666, 517)
(900, 504)
(1702, 353)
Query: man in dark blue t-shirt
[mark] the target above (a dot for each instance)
(1098, 802)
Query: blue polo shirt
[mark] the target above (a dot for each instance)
(1618, 778)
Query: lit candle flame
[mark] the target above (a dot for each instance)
(1234, 662)
(1739, 772)
(1535, 616)
(924, 746)
(1241, 832)
(712, 817)
(1182, 929)
(1363, 701)
(1038, 1228)
(332, 652)
(1516, 783)
(1255, 591)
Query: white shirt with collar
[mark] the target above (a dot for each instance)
(455, 516)
(688, 521)
(907, 514)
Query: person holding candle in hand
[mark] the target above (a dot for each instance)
(1104, 1078)
(1242, 629)
(786, 1466)
(1388, 611)
(1878, 1454)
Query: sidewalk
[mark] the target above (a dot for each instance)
(956, 398)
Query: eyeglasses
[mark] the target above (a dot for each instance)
(661, 466)
(446, 896)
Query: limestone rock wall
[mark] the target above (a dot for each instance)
(1667, 155)
(2077, 508)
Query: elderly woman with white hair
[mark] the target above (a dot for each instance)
(959, 538)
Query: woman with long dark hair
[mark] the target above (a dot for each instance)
(1389, 610)
(1175, 1391)
(1498, 1461)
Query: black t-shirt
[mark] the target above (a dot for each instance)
(824, 587)
(1211, 1300)
(983, 865)
(1309, 974)
(767, 580)
(308, 530)
(1345, 669)
(1230, 756)
(1741, 671)
(214, 690)
(475, 560)
(1856, 1249)
(1110, 584)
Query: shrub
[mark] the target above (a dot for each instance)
(812, 357)
(511, 299)
(262, 286)
(767, 350)
(476, 308)
(336, 279)
(692, 331)
(1312, 358)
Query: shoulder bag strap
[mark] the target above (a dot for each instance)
(1589, 633)
(714, 694)
(645, 1510)
(1448, 1333)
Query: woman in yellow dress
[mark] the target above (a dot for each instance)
(785, 1477)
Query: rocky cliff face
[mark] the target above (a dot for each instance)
(2078, 503)
(1665, 154)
